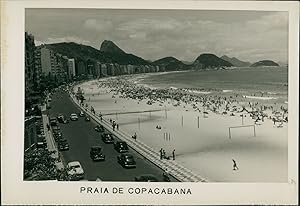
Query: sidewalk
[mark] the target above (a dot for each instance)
(51, 143)
(171, 166)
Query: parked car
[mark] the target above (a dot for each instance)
(53, 121)
(55, 129)
(60, 118)
(57, 135)
(99, 128)
(107, 138)
(75, 170)
(126, 160)
(146, 178)
(74, 117)
(63, 144)
(96, 153)
(121, 146)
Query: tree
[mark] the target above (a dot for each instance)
(40, 165)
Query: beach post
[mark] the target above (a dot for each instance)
(166, 112)
(198, 120)
(254, 130)
(229, 133)
(182, 120)
(242, 115)
(139, 123)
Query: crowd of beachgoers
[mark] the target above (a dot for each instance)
(228, 103)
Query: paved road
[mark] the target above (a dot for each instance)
(81, 136)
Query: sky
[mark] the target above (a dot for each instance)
(154, 34)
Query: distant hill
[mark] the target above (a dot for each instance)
(283, 64)
(235, 61)
(170, 64)
(83, 52)
(264, 63)
(110, 47)
(210, 61)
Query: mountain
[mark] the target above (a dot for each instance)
(282, 63)
(170, 64)
(235, 61)
(83, 52)
(110, 47)
(210, 61)
(264, 63)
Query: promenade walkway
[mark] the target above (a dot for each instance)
(175, 169)
(51, 145)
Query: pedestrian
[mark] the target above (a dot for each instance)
(48, 127)
(134, 136)
(161, 154)
(235, 167)
(117, 126)
(173, 154)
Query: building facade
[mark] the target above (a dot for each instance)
(52, 64)
(71, 68)
(30, 74)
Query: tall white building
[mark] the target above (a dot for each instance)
(71, 68)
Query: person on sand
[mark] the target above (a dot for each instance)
(173, 154)
(235, 167)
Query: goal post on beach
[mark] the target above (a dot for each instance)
(235, 127)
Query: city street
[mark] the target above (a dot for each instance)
(81, 136)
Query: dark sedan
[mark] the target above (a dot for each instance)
(107, 138)
(126, 160)
(96, 154)
(121, 146)
(99, 128)
(63, 145)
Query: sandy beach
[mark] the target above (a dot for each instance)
(196, 124)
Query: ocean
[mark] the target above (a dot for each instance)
(263, 79)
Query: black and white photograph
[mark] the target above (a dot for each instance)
(162, 95)
(147, 95)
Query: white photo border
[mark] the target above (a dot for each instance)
(16, 191)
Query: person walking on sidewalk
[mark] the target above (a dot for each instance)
(48, 127)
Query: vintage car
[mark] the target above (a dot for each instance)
(96, 153)
(63, 145)
(99, 128)
(74, 117)
(121, 146)
(126, 160)
(75, 170)
(107, 138)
